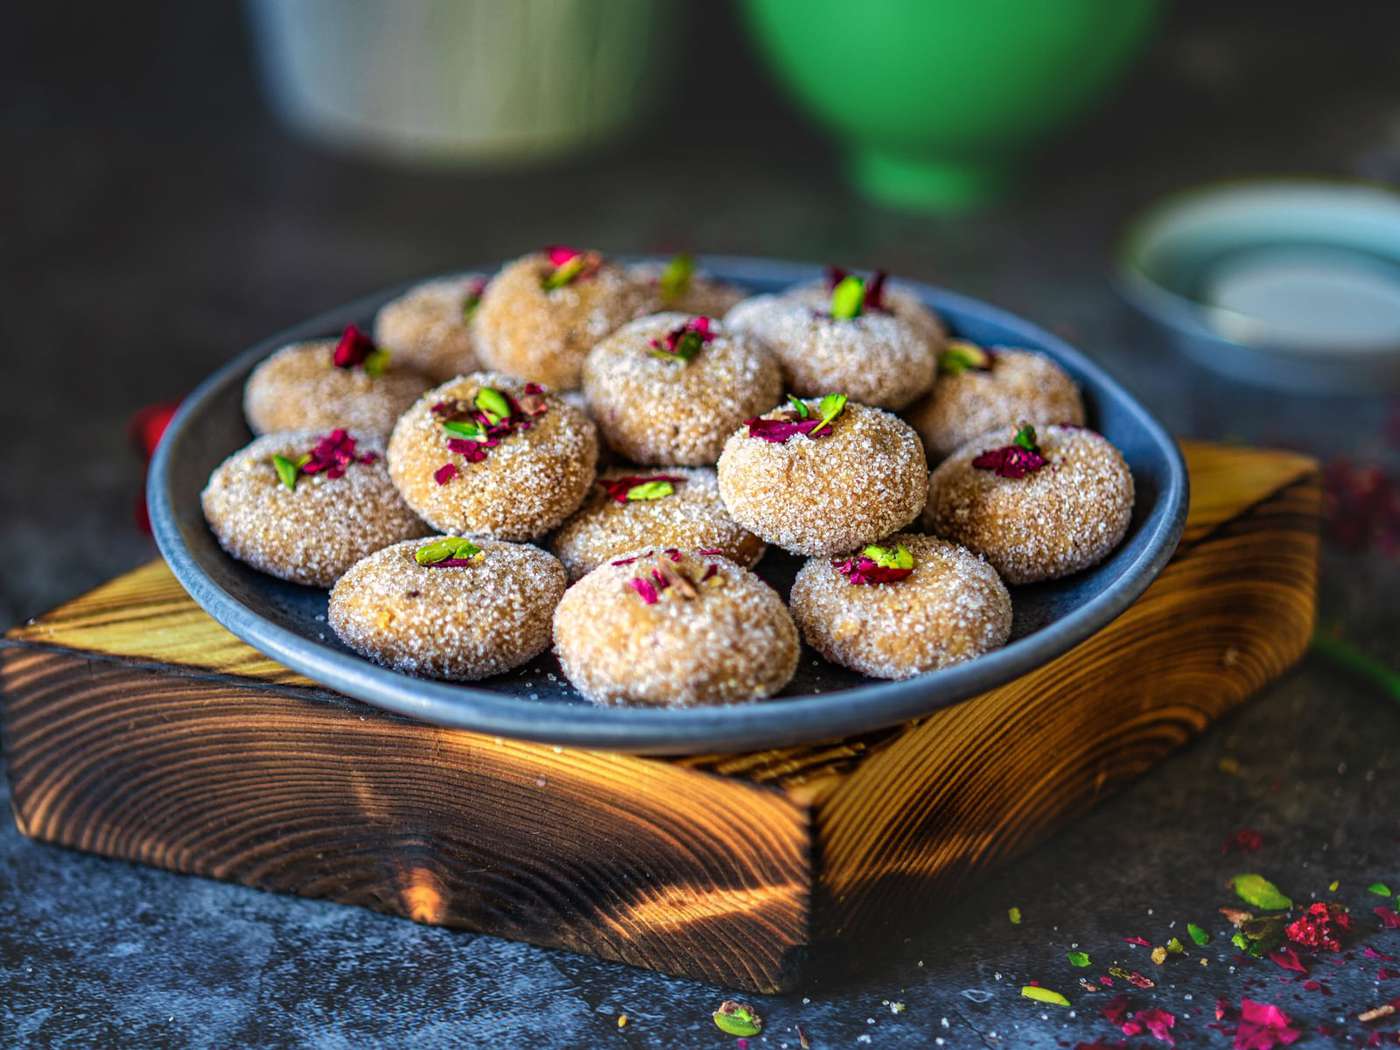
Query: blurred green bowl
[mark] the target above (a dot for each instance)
(935, 100)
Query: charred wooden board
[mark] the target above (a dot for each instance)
(136, 727)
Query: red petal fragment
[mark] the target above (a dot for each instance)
(629, 561)
(1288, 959)
(1115, 1011)
(1222, 1007)
(559, 254)
(1246, 840)
(618, 488)
(1386, 974)
(147, 426)
(710, 570)
(672, 553)
(452, 563)
(661, 582)
(445, 473)
(1319, 926)
(353, 348)
(1372, 953)
(1264, 1026)
(862, 570)
(1140, 941)
(1158, 1023)
(779, 430)
(834, 276)
(1389, 919)
(1010, 461)
(875, 292)
(644, 589)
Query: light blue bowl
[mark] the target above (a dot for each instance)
(1292, 284)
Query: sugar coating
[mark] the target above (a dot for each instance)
(300, 388)
(527, 484)
(425, 329)
(1020, 385)
(877, 358)
(651, 410)
(692, 518)
(953, 607)
(313, 533)
(898, 299)
(460, 623)
(867, 479)
(528, 332)
(732, 640)
(702, 296)
(1063, 518)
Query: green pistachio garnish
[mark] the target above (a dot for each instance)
(1044, 995)
(444, 549)
(737, 1019)
(650, 490)
(897, 557)
(1080, 959)
(464, 428)
(376, 362)
(288, 470)
(493, 403)
(829, 408)
(959, 356)
(1025, 438)
(564, 273)
(799, 406)
(1197, 934)
(675, 278)
(847, 298)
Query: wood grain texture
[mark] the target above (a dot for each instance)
(137, 728)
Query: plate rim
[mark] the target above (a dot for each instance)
(760, 725)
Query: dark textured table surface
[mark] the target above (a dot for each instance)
(156, 221)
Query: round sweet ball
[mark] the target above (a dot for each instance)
(449, 607)
(674, 629)
(981, 389)
(428, 327)
(823, 490)
(490, 455)
(671, 387)
(305, 506)
(677, 286)
(876, 357)
(674, 507)
(893, 298)
(541, 315)
(910, 605)
(1038, 512)
(300, 387)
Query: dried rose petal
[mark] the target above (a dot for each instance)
(875, 292)
(710, 570)
(1141, 942)
(353, 349)
(862, 570)
(629, 561)
(618, 488)
(445, 473)
(1010, 461)
(779, 430)
(559, 254)
(1246, 840)
(1389, 919)
(1288, 959)
(1373, 953)
(1115, 1011)
(644, 589)
(1264, 1026)
(1319, 925)
(683, 343)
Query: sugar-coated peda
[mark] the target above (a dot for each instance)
(905, 606)
(670, 388)
(674, 628)
(449, 607)
(823, 489)
(491, 455)
(304, 506)
(428, 328)
(1037, 502)
(892, 297)
(982, 389)
(541, 315)
(301, 387)
(631, 509)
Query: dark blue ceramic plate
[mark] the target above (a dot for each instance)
(288, 622)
